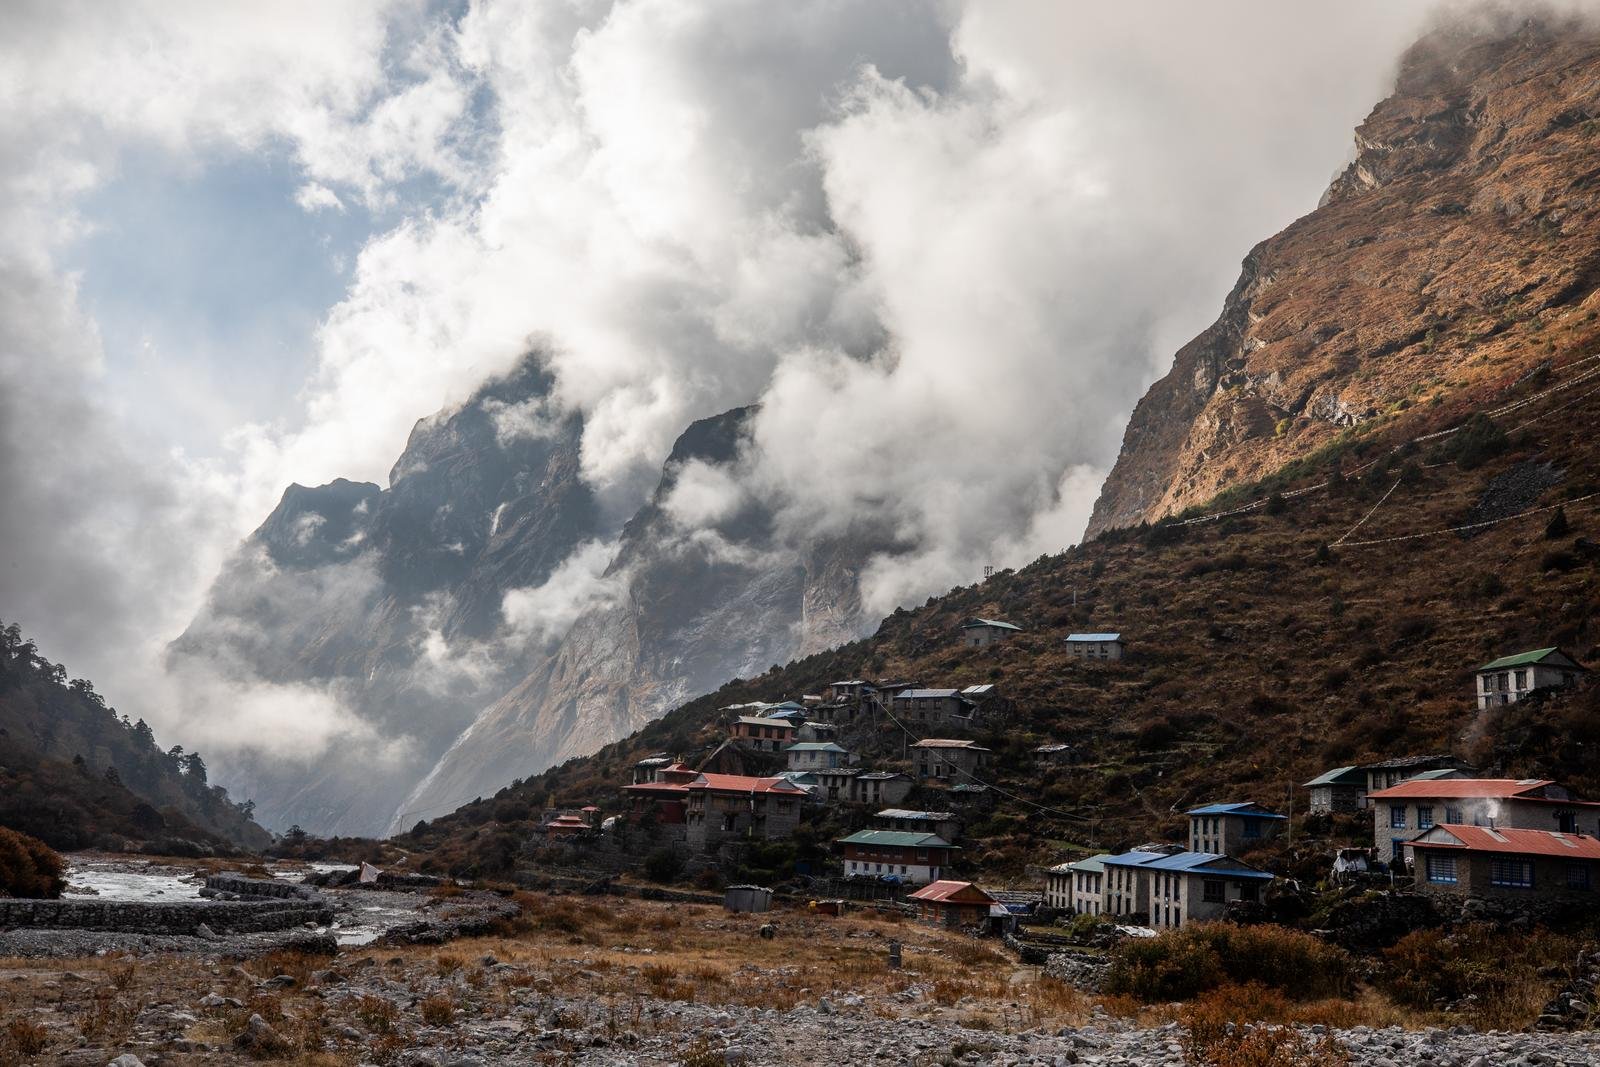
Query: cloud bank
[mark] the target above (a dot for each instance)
(945, 245)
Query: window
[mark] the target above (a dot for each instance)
(1213, 891)
(1452, 816)
(1516, 874)
(1441, 869)
(1249, 891)
(1252, 828)
(1397, 817)
(1522, 679)
(1577, 876)
(1424, 818)
(1567, 822)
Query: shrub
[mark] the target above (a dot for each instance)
(28, 867)
(1179, 964)
(663, 865)
(1558, 526)
(1478, 441)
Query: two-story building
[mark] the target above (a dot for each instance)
(1095, 646)
(1198, 886)
(913, 857)
(817, 756)
(712, 808)
(761, 733)
(878, 788)
(1077, 886)
(1510, 678)
(1401, 812)
(1228, 829)
(1345, 789)
(1391, 772)
(933, 707)
(647, 769)
(1479, 861)
(944, 759)
(1124, 894)
(1342, 789)
(981, 633)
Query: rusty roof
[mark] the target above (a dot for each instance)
(945, 891)
(1518, 842)
(1489, 788)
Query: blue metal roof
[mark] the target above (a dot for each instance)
(1237, 809)
(1185, 861)
(1094, 637)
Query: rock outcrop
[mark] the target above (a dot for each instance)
(1467, 225)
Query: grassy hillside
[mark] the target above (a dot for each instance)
(1262, 650)
(75, 774)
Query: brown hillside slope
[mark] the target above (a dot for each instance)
(1467, 226)
(1258, 660)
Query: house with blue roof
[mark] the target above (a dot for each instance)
(1228, 829)
(1095, 646)
(1168, 890)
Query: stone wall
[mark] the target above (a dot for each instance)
(237, 885)
(168, 917)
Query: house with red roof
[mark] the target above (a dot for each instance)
(950, 903)
(1401, 812)
(1483, 861)
(712, 808)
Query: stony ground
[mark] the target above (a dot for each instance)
(608, 982)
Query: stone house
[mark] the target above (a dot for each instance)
(944, 823)
(1479, 861)
(713, 808)
(1510, 678)
(762, 733)
(646, 769)
(1392, 772)
(914, 857)
(1228, 829)
(847, 692)
(835, 783)
(1094, 646)
(1341, 789)
(1400, 812)
(1077, 886)
(943, 759)
(812, 730)
(948, 903)
(933, 707)
(817, 756)
(981, 633)
(879, 787)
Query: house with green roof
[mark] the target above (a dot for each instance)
(1341, 789)
(981, 633)
(908, 856)
(1510, 678)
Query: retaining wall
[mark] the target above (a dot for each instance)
(167, 917)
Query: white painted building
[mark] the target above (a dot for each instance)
(1510, 678)
(1095, 646)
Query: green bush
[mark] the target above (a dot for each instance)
(28, 867)
(1180, 964)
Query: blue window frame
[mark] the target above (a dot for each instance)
(1441, 869)
(1424, 818)
(1397, 816)
(1252, 828)
(1514, 874)
(1577, 876)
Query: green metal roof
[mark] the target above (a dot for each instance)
(1522, 659)
(997, 623)
(899, 838)
(1340, 776)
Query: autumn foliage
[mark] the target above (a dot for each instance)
(28, 867)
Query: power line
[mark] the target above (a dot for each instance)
(1470, 525)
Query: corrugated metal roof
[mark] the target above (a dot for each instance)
(926, 694)
(817, 746)
(1197, 862)
(923, 816)
(978, 690)
(1487, 788)
(1255, 810)
(895, 839)
(949, 742)
(1339, 776)
(757, 720)
(880, 776)
(1506, 840)
(943, 890)
(1089, 864)
(1521, 659)
(1094, 637)
(972, 624)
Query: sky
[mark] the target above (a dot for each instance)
(946, 245)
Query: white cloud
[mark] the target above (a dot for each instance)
(540, 614)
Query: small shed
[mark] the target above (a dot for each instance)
(750, 898)
(981, 633)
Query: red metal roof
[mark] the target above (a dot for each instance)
(722, 783)
(1519, 842)
(1496, 788)
(945, 891)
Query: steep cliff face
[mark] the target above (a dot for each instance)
(1467, 225)
(392, 601)
(690, 606)
(366, 591)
